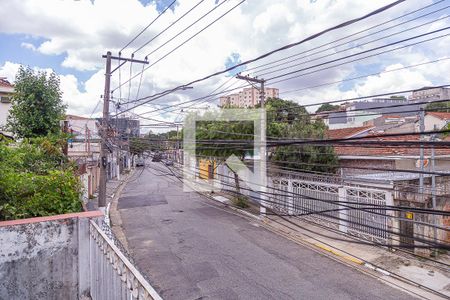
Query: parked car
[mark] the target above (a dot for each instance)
(140, 161)
(157, 157)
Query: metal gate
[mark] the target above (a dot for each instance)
(314, 201)
(356, 210)
(367, 217)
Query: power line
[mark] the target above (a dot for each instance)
(212, 94)
(348, 205)
(363, 52)
(168, 27)
(342, 25)
(364, 76)
(361, 31)
(189, 26)
(146, 27)
(343, 50)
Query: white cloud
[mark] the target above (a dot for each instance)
(28, 46)
(9, 70)
(84, 30)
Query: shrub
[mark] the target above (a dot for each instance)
(36, 180)
(240, 201)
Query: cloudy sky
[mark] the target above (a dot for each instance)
(70, 37)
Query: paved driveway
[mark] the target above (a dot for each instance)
(192, 249)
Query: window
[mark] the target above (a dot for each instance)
(5, 99)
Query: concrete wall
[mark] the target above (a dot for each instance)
(40, 257)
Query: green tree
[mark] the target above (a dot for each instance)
(285, 119)
(394, 97)
(438, 106)
(37, 180)
(139, 145)
(327, 107)
(222, 130)
(37, 106)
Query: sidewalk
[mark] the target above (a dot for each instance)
(112, 187)
(404, 267)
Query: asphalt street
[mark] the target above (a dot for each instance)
(192, 249)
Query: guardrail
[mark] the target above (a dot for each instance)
(112, 275)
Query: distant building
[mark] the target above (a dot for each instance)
(125, 127)
(6, 91)
(436, 120)
(84, 150)
(393, 124)
(429, 94)
(360, 113)
(248, 97)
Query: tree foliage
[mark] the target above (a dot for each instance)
(139, 145)
(394, 97)
(285, 119)
(37, 106)
(37, 180)
(438, 106)
(327, 107)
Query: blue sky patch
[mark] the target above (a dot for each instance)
(11, 50)
(232, 60)
(359, 71)
(160, 4)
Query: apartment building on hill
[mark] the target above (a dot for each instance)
(248, 97)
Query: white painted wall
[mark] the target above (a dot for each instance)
(4, 112)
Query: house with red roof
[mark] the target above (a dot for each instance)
(436, 120)
(374, 153)
(393, 163)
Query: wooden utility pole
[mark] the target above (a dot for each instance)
(104, 134)
(105, 124)
(65, 129)
(262, 147)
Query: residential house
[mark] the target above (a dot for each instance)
(360, 113)
(391, 124)
(436, 120)
(207, 168)
(6, 91)
(84, 148)
(396, 169)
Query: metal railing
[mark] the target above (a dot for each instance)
(112, 275)
(335, 206)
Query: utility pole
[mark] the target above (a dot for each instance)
(421, 159)
(105, 123)
(262, 147)
(433, 191)
(66, 130)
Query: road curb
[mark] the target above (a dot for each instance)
(346, 257)
(113, 213)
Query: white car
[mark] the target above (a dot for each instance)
(140, 161)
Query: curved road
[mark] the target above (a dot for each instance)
(191, 249)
